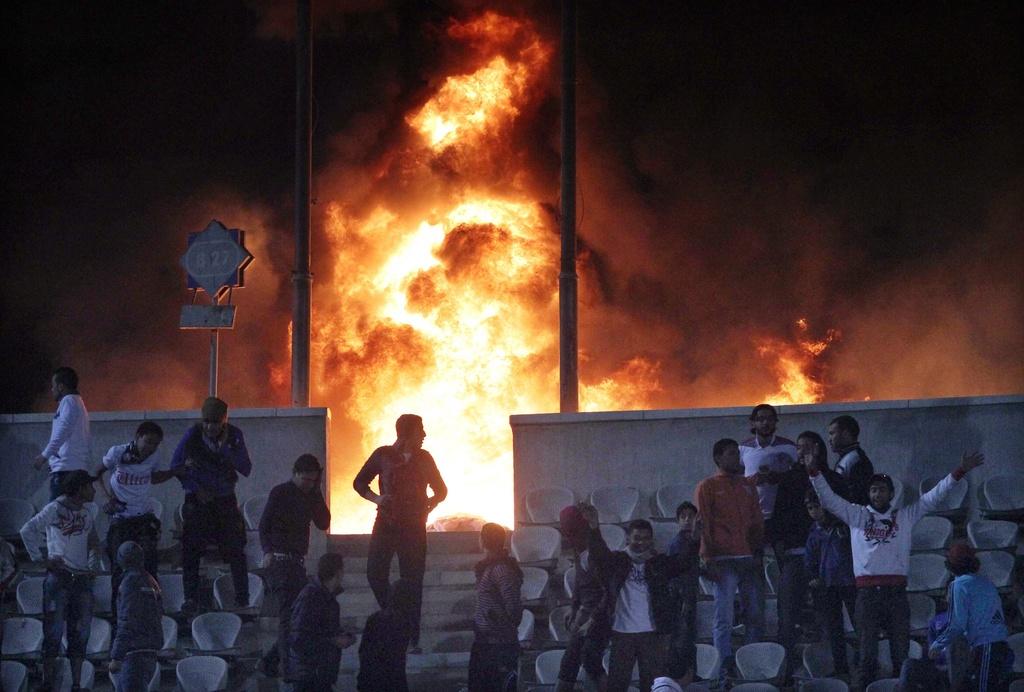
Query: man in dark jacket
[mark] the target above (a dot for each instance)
(852, 463)
(315, 638)
(213, 454)
(139, 630)
(642, 615)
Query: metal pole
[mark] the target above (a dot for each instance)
(214, 355)
(301, 277)
(568, 358)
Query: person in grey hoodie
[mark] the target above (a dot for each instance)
(139, 631)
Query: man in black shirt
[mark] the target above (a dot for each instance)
(404, 470)
(284, 535)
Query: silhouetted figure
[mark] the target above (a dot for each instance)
(315, 637)
(385, 640)
(139, 630)
(493, 661)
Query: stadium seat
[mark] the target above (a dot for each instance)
(1004, 493)
(154, 682)
(1017, 685)
(671, 496)
(22, 636)
(13, 676)
(543, 505)
(556, 624)
(707, 587)
(615, 504)
(708, 662)
(825, 685)
(526, 625)
(546, 667)
(86, 678)
(922, 610)
(14, 512)
(216, 631)
(224, 592)
(533, 544)
(170, 629)
(931, 533)
(99, 638)
(535, 581)
(664, 533)
(760, 661)
(927, 572)
(30, 595)
(172, 592)
(991, 534)
(883, 685)
(885, 657)
(1016, 642)
(772, 576)
(614, 536)
(202, 673)
(606, 663)
(953, 503)
(568, 579)
(252, 510)
(817, 660)
(997, 565)
(705, 619)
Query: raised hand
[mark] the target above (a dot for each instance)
(971, 461)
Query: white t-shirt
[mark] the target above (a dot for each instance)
(131, 482)
(68, 448)
(633, 608)
(778, 455)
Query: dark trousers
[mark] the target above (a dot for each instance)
(322, 681)
(682, 651)
(144, 530)
(648, 650)
(410, 543)
(136, 672)
(67, 603)
(217, 521)
(493, 667)
(990, 668)
(881, 607)
(828, 606)
(56, 478)
(587, 650)
(791, 598)
(285, 579)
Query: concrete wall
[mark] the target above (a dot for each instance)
(647, 449)
(274, 437)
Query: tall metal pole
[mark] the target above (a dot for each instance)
(568, 358)
(214, 354)
(301, 277)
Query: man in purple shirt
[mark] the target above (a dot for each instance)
(212, 453)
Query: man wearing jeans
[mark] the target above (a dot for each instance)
(732, 543)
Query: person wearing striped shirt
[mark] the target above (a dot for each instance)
(493, 660)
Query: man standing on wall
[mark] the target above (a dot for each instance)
(68, 448)
(404, 470)
(213, 454)
(284, 535)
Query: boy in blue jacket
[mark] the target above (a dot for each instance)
(139, 630)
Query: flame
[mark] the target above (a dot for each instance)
(793, 364)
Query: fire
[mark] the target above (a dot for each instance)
(794, 364)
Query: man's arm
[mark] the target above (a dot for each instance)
(236, 452)
(812, 556)
(33, 533)
(755, 533)
(932, 499)
(848, 512)
(436, 483)
(957, 620)
(269, 510)
(178, 458)
(705, 510)
(62, 425)
(369, 471)
(320, 511)
(510, 588)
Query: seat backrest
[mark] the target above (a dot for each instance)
(818, 660)
(953, 500)
(202, 673)
(664, 533)
(760, 661)
(154, 682)
(14, 512)
(252, 510)
(885, 656)
(536, 543)
(99, 637)
(568, 580)
(543, 505)
(216, 631)
(1005, 493)
(708, 662)
(825, 685)
(556, 623)
(997, 565)
(224, 591)
(30, 596)
(170, 629)
(535, 580)
(22, 636)
(931, 533)
(615, 503)
(985, 534)
(670, 496)
(883, 685)
(172, 592)
(927, 571)
(526, 625)
(772, 575)
(157, 508)
(13, 676)
(1016, 642)
(546, 666)
(614, 536)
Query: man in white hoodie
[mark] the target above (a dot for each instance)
(68, 448)
(880, 537)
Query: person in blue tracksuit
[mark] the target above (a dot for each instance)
(976, 612)
(139, 630)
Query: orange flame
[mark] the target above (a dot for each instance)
(793, 366)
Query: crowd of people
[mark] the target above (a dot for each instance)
(833, 529)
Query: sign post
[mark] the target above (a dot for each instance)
(215, 262)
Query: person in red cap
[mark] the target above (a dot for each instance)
(976, 612)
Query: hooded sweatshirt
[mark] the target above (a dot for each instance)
(880, 541)
(65, 531)
(138, 606)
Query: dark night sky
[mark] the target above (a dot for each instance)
(832, 153)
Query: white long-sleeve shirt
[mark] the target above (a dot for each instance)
(881, 540)
(65, 532)
(68, 448)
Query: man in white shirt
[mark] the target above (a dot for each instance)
(66, 527)
(68, 448)
(766, 451)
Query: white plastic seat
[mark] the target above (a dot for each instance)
(157, 508)
(202, 673)
(1016, 642)
(556, 624)
(568, 579)
(172, 592)
(535, 581)
(252, 510)
(14, 512)
(818, 661)
(709, 662)
(634, 677)
(224, 592)
(705, 619)
(772, 576)
(216, 631)
(1005, 493)
(1017, 685)
(253, 551)
(536, 544)
(86, 679)
(954, 500)
(997, 565)
(30, 595)
(771, 616)
(170, 630)
(670, 496)
(22, 636)
(547, 664)
(927, 572)
(707, 587)
(922, 610)
(883, 685)
(664, 533)
(755, 687)
(615, 504)
(526, 625)
(543, 505)
(101, 595)
(154, 682)
(99, 638)
(885, 656)
(825, 685)
(614, 536)
(760, 661)
(13, 676)
(991, 534)
(931, 533)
